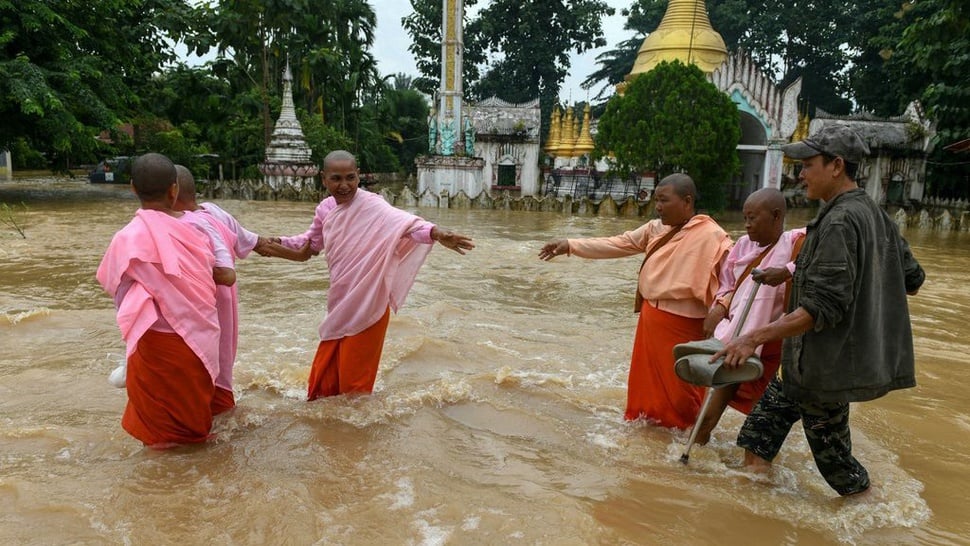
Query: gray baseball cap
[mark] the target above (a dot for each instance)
(835, 140)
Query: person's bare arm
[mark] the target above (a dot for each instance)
(714, 317)
(272, 248)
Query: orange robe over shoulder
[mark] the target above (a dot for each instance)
(679, 283)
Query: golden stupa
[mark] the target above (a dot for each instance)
(567, 139)
(555, 132)
(584, 143)
(684, 34)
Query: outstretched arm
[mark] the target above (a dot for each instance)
(273, 249)
(449, 239)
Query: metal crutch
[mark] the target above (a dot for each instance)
(710, 391)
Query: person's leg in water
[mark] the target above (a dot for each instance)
(715, 409)
(766, 427)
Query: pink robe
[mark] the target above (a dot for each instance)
(167, 267)
(374, 252)
(227, 298)
(769, 302)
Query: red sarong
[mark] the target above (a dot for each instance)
(749, 393)
(348, 364)
(654, 391)
(169, 392)
(222, 401)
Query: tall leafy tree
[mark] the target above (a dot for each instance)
(932, 61)
(61, 79)
(424, 27)
(672, 119)
(326, 42)
(533, 40)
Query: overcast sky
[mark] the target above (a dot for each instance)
(392, 41)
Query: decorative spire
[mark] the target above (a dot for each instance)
(287, 155)
(568, 139)
(584, 144)
(684, 34)
(555, 132)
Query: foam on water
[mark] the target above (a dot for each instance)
(385, 407)
(794, 492)
(528, 378)
(403, 497)
(14, 318)
(431, 535)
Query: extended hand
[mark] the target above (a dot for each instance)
(554, 248)
(736, 351)
(276, 250)
(455, 241)
(772, 276)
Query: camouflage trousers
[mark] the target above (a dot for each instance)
(826, 429)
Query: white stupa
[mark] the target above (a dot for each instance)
(288, 162)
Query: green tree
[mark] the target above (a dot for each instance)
(424, 27)
(535, 39)
(326, 42)
(69, 70)
(672, 119)
(932, 61)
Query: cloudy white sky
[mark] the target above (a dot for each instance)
(392, 41)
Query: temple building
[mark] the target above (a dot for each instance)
(492, 145)
(894, 172)
(288, 164)
(769, 114)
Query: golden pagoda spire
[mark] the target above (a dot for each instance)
(684, 34)
(584, 144)
(555, 132)
(566, 141)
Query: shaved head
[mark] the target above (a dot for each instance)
(186, 184)
(682, 185)
(770, 199)
(764, 215)
(338, 155)
(152, 175)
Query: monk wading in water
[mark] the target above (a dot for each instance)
(162, 270)
(678, 281)
(374, 252)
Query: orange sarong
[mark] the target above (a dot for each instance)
(348, 364)
(654, 391)
(169, 392)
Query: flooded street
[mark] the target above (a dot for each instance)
(497, 417)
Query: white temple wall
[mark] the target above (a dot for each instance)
(525, 156)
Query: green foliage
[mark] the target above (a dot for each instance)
(535, 39)
(932, 60)
(322, 138)
(424, 27)
(672, 119)
(71, 69)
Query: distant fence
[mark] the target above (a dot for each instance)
(931, 213)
